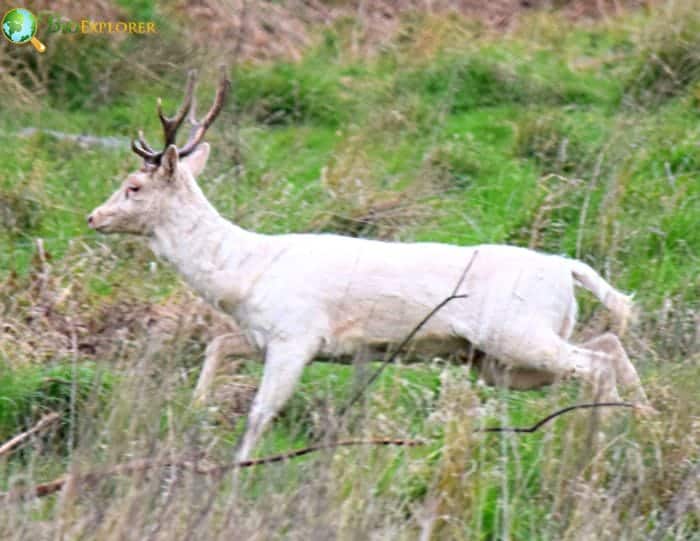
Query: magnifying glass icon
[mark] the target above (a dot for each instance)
(19, 26)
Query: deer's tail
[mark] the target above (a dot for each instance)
(618, 303)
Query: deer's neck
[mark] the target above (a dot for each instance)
(205, 248)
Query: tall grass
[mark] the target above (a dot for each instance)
(575, 141)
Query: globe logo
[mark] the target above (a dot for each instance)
(19, 26)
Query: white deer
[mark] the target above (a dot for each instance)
(301, 296)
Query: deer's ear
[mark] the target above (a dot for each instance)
(168, 162)
(196, 161)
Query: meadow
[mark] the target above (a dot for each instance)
(575, 135)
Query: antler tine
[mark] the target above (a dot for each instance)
(192, 118)
(148, 155)
(144, 144)
(172, 124)
(199, 128)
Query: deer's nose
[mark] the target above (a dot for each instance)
(90, 220)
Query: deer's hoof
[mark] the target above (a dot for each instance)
(645, 411)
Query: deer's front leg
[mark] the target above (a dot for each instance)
(225, 345)
(284, 363)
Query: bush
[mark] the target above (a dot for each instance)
(285, 93)
(19, 214)
(669, 61)
(558, 142)
(469, 82)
(30, 391)
(455, 163)
(465, 83)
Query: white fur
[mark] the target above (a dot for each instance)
(297, 297)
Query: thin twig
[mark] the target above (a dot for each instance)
(45, 421)
(541, 422)
(214, 470)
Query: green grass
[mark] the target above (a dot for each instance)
(495, 138)
(503, 140)
(31, 391)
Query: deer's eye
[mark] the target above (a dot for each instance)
(132, 189)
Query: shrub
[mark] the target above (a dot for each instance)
(19, 213)
(28, 392)
(669, 59)
(468, 82)
(284, 93)
(558, 142)
(455, 163)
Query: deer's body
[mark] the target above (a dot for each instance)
(297, 297)
(345, 294)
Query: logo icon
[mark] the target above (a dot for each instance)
(19, 26)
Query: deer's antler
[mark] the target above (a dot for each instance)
(172, 124)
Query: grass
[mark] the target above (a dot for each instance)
(568, 142)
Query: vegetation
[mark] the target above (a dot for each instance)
(577, 137)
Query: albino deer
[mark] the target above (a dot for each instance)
(298, 296)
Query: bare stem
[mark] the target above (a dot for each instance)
(12, 443)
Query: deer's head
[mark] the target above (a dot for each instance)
(166, 178)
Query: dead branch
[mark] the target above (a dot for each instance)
(185, 462)
(190, 461)
(215, 470)
(51, 487)
(45, 421)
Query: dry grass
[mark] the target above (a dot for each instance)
(51, 313)
(670, 59)
(578, 480)
(266, 30)
(581, 478)
(620, 477)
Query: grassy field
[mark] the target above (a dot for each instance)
(577, 137)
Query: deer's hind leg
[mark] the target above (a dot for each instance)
(495, 373)
(541, 350)
(625, 372)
